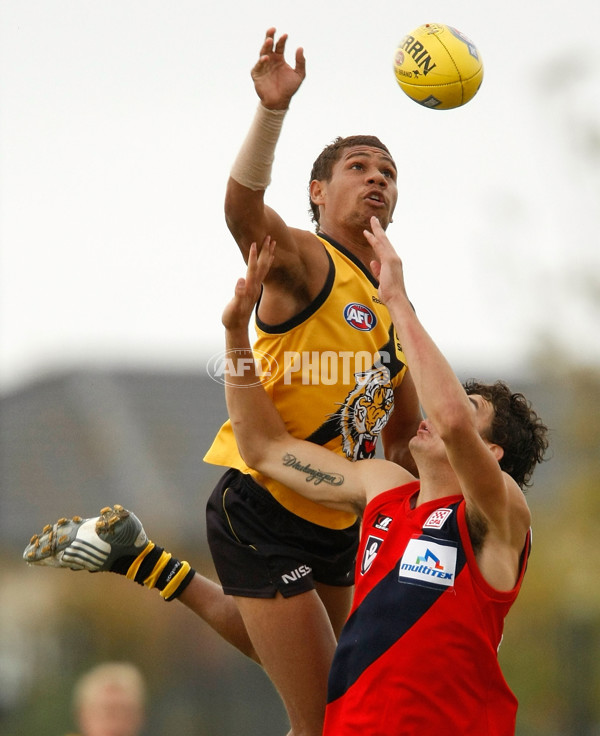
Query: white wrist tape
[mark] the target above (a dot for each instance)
(253, 164)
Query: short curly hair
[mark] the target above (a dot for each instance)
(325, 161)
(516, 428)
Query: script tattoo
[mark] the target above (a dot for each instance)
(313, 475)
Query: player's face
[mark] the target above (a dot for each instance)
(362, 184)
(427, 440)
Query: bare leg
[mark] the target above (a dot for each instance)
(295, 642)
(292, 638)
(337, 601)
(207, 600)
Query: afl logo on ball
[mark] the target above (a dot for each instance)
(359, 317)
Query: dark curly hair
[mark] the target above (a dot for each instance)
(323, 166)
(516, 427)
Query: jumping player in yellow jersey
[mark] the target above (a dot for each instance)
(286, 560)
(286, 563)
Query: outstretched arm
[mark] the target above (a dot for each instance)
(300, 264)
(275, 82)
(262, 438)
(456, 417)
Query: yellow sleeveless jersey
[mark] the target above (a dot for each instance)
(337, 363)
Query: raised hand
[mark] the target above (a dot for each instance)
(236, 314)
(388, 267)
(275, 80)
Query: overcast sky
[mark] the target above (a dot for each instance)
(119, 120)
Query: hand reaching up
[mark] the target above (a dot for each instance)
(275, 81)
(236, 314)
(388, 267)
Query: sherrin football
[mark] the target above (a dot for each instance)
(438, 66)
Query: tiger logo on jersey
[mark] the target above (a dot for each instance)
(365, 412)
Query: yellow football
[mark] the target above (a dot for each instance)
(438, 66)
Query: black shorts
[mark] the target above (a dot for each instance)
(260, 548)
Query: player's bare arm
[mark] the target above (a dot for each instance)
(300, 267)
(247, 216)
(492, 498)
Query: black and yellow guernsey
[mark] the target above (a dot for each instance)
(334, 367)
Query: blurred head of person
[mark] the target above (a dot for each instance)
(110, 700)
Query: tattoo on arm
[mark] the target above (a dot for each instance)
(313, 475)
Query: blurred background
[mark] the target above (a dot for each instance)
(118, 125)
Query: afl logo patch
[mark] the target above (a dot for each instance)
(359, 317)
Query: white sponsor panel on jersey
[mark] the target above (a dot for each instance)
(427, 560)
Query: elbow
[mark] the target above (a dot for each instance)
(252, 459)
(242, 207)
(249, 452)
(232, 217)
(252, 449)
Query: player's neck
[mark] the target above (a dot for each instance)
(352, 239)
(437, 481)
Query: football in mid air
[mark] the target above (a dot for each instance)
(438, 66)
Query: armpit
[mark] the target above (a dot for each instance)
(478, 529)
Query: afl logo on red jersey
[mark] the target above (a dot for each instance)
(359, 317)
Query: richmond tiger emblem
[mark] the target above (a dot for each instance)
(365, 412)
